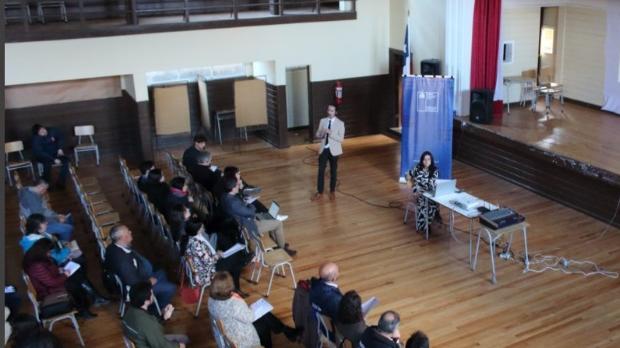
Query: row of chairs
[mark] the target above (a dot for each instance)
(15, 160)
(267, 256)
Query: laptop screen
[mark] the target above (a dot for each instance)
(274, 209)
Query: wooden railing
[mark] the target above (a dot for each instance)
(26, 20)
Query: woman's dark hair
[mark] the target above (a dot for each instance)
(39, 338)
(193, 226)
(38, 253)
(230, 172)
(431, 169)
(35, 129)
(34, 222)
(418, 340)
(350, 309)
(146, 166)
(177, 182)
(222, 286)
(139, 293)
(155, 175)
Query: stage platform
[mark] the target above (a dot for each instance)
(572, 156)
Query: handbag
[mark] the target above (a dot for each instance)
(189, 295)
(56, 304)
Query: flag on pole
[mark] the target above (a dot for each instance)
(406, 52)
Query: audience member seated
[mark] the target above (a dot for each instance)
(145, 169)
(418, 340)
(178, 195)
(157, 190)
(324, 291)
(238, 319)
(36, 229)
(47, 278)
(204, 172)
(47, 144)
(245, 214)
(22, 324)
(133, 268)
(177, 219)
(32, 201)
(191, 153)
(350, 321)
(143, 328)
(385, 334)
(201, 249)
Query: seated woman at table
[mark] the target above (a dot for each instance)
(425, 174)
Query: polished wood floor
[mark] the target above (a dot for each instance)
(427, 282)
(581, 133)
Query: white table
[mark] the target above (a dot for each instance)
(448, 200)
(493, 236)
(549, 90)
(509, 81)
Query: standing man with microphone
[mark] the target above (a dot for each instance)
(331, 133)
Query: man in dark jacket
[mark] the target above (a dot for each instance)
(191, 153)
(205, 173)
(145, 169)
(47, 144)
(324, 292)
(133, 268)
(385, 334)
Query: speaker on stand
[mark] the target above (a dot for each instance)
(430, 67)
(481, 106)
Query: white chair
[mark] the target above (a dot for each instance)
(277, 260)
(411, 205)
(49, 322)
(12, 147)
(189, 273)
(85, 131)
(124, 296)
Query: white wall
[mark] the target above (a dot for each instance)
(427, 27)
(338, 49)
(521, 25)
(581, 47)
(398, 18)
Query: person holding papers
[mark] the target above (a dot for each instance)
(205, 173)
(36, 229)
(246, 327)
(245, 214)
(425, 175)
(350, 322)
(201, 250)
(48, 279)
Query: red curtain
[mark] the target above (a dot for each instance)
(485, 46)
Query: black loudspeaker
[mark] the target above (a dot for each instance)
(430, 67)
(481, 106)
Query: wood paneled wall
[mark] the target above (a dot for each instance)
(115, 120)
(576, 184)
(368, 103)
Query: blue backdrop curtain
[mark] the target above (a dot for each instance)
(427, 122)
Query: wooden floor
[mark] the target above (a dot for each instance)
(427, 282)
(581, 133)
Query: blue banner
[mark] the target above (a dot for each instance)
(428, 111)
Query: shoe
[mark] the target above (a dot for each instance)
(86, 314)
(317, 197)
(242, 293)
(332, 196)
(290, 251)
(100, 301)
(291, 333)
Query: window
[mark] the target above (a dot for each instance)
(546, 40)
(508, 52)
(191, 75)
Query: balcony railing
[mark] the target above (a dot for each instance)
(52, 20)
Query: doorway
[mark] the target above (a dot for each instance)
(297, 103)
(547, 44)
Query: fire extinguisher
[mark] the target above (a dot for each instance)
(338, 93)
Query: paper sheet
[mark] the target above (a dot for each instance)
(71, 267)
(233, 249)
(369, 305)
(260, 308)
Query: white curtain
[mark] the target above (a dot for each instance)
(459, 25)
(612, 59)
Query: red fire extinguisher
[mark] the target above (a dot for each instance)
(338, 93)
